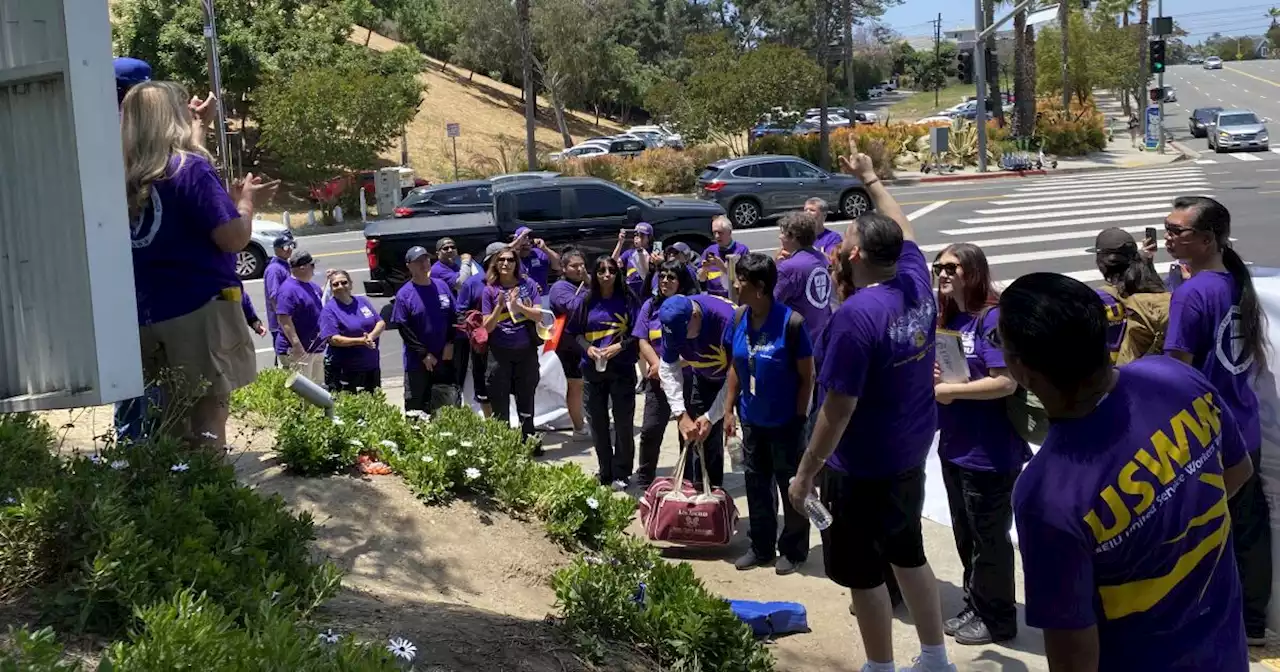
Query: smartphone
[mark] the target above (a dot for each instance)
(1151, 233)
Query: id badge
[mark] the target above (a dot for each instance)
(751, 375)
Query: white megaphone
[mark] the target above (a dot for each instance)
(305, 388)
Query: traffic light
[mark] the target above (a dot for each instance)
(964, 66)
(1157, 57)
(993, 62)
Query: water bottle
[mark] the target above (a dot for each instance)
(818, 514)
(734, 447)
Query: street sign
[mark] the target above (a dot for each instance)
(1161, 26)
(1153, 126)
(453, 130)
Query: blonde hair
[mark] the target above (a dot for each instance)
(155, 126)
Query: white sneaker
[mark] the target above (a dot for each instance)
(582, 433)
(918, 665)
(619, 485)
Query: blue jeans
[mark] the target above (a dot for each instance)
(131, 415)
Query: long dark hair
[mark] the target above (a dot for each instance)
(1213, 218)
(976, 286)
(1129, 273)
(491, 275)
(595, 291)
(687, 284)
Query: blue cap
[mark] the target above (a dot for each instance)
(522, 231)
(131, 71)
(284, 240)
(415, 253)
(675, 313)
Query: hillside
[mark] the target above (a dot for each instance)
(491, 116)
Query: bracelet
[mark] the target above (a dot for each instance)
(867, 184)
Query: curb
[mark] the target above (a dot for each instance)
(1184, 154)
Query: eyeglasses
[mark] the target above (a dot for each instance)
(340, 283)
(506, 260)
(1175, 230)
(668, 277)
(994, 340)
(447, 248)
(948, 268)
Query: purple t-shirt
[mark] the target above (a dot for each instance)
(537, 266)
(469, 293)
(177, 268)
(629, 261)
(804, 285)
(706, 354)
(976, 434)
(1204, 321)
(828, 241)
(512, 331)
(276, 273)
(447, 273)
(605, 322)
(250, 315)
(1123, 524)
(352, 320)
(693, 273)
(565, 297)
(300, 301)
(648, 326)
(878, 347)
(718, 283)
(1116, 323)
(428, 312)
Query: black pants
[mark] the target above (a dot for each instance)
(981, 515)
(429, 391)
(699, 392)
(1251, 539)
(616, 454)
(657, 415)
(338, 379)
(770, 457)
(513, 371)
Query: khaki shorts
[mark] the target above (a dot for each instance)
(210, 344)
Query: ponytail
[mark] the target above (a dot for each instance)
(1253, 321)
(1130, 274)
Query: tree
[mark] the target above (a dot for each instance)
(325, 120)
(1064, 22)
(1024, 88)
(1049, 66)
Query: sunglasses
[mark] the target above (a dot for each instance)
(340, 283)
(1175, 230)
(606, 271)
(948, 268)
(506, 260)
(447, 248)
(668, 277)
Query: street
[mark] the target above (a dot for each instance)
(1024, 225)
(1245, 85)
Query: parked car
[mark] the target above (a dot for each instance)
(1213, 63)
(769, 128)
(251, 262)
(833, 120)
(627, 146)
(329, 191)
(1200, 120)
(515, 177)
(581, 151)
(585, 211)
(450, 198)
(669, 137)
(1170, 94)
(1238, 129)
(751, 188)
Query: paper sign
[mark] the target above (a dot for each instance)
(453, 130)
(950, 357)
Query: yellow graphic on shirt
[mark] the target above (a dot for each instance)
(616, 327)
(505, 316)
(1169, 464)
(716, 359)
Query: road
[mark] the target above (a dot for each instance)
(1024, 225)
(1250, 85)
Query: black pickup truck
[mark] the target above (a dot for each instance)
(584, 211)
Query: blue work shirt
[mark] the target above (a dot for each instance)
(765, 361)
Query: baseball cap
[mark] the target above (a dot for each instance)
(644, 228)
(415, 253)
(441, 243)
(680, 247)
(1113, 240)
(675, 313)
(131, 71)
(301, 259)
(523, 230)
(284, 240)
(492, 249)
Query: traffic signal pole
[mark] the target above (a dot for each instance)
(1160, 83)
(980, 78)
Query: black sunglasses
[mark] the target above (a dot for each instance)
(1175, 230)
(948, 268)
(446, 248)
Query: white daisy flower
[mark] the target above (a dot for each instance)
(593, 503)
(179, 467)
(402, 648)
(119, 464)
(356, 442)
(329, 637)
(428, 459)
(452, 452)
(338, 421)
(10, 500)
(445, 435)
(419, 415)
(472, 473)
(467, 444)
(388, 443)
(95, 458)
(209, 435)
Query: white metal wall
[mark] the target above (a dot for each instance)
(68, 328)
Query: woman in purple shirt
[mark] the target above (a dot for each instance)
(298, 305)
(981, 453)
(1217, 326)
(566, 296)
(602, 326)
(351, 326)
(673, 278)
(510, 306)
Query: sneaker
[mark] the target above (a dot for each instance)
(958, 621)
(976, 633)
(786, 566)
(918, 665)
(750, 560)
(582, 433)
(1256, 638)
(618, 485)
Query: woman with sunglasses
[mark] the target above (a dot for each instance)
(1216, 325)
(351, 326)
(981, 452)
(673, 278)
(566, 296)
(602, 328)
(511, 310)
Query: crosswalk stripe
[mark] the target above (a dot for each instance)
(1000, 228)
(1083, 276)
(1015, 199)
(1149, 172)
(1245, 157)
(1208, 162)
(1038, 255)
(1111, 184)
(1275, 150)
(1104, 188)
(1149, 207)
(1027, 240)
(1189, 171)
(1062, 206)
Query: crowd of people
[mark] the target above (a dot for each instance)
(824, 359)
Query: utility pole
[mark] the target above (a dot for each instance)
(937, 56)
(980, 78)
(824, 57)
(530, 91)
(1160, 83)
(846, 20)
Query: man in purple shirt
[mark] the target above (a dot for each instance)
(878, 416)
(804, 281)
(274, 275)
(824, 239)
(635, 260)
(713, 277)
(425, 318)
(1122, 515)
(298, 345)
(538, 259)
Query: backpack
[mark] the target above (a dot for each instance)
(1025, 411)
(1147, 323)
(795, 323)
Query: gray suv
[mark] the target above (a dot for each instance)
(1237, 129)
(751, 188)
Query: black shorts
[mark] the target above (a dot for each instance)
(874, 521)
(570, 357)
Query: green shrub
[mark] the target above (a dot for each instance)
(577, 509)
(267, 399)
(37, 651)
(311, 443)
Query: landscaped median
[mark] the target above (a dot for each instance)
(168, 554)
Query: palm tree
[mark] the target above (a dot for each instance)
(1064, 24)
(993, 74)
(1024, 64)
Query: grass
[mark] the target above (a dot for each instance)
(919, 105)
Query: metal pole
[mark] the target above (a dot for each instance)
(980, 78)
(455, 158)
(937, 55)
(215, 83)
(1160, 83)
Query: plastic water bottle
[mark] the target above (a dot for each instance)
(734, 447)
(818, 514)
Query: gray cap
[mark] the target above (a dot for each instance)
(492, 249)
(301, 259)
(415, 253)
